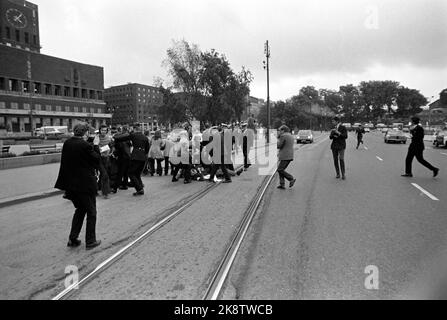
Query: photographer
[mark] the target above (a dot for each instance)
(77, 178)
(338, 136)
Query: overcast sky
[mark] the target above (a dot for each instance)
(321, 43)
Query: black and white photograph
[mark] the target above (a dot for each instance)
(247, 152)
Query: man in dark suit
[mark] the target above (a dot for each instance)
(122, 151)
(338, 136)
(416, 149)
(138, 157)
(285, 156)
(77, 178)
(360, 132)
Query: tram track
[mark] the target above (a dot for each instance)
(219, 276)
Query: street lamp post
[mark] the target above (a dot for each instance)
(267, 67)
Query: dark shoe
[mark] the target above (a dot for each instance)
(139, 193)
(338, 176)
(435, 172)
(211, 180)
(343, 177)
(187, 182)
(239, 172)
(281, 187)
(408, 175)
(73, 243)
(123, 188)
(227, 181)
(90, 246)
(292, 183)
(115, 191)
(174, 180)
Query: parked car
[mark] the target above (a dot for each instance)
(367, 129)
(304, 136)
(395, 136)
(441, 139)
(384, 129)
(348, 126)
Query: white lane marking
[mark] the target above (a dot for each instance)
(428, 194)
(379, 158)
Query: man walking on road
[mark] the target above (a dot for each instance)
(416, 149)
(77, 178)
(285, 156)
(360, 132)
(338, 136)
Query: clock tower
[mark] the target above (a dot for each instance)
(19, 25)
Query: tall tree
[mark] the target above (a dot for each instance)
(409, 102)
(332, 99)
(185, 64)
(351, 103)
(378, 95)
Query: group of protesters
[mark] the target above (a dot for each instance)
(127, 153)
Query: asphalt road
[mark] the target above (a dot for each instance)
(316, 240)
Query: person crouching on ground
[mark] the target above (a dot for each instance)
(77, 178)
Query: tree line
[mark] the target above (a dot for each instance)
(370, 101)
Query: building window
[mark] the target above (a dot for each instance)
(84, 109)
(37, 87)
(38, 107)
(48, 107)
(76, 92)
(2, 84)
(18, 35)
(26, 106)
(99, 110)
(99, 95)
(35, 40)
(26, 37)
(26, 86)
(76, 109)
(48, 89)
(57, 91)
(14, 105)
(2, 105)
(84, 93)
(92, 110)
(67, 109)
(8, 33)
(14, 85)
(58, 108)
(66, 91)
(92, 94)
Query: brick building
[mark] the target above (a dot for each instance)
(133, 103)
(39, 90)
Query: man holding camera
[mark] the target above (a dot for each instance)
(338, 136)
(77, 178)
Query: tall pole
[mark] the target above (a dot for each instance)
(267, 67)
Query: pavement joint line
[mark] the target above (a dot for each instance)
(379, 158)
(428, 194)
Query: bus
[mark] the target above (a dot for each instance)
(51, 131)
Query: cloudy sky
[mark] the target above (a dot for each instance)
(313, 42)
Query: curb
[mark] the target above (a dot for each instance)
(6, 202)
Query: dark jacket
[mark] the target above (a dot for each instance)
(78, 163)
(339, 140)
(122, 150)
(285, 146)
(417, 138)
(140, 145)
(360, 132)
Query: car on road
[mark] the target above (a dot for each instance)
(440, 139)
(304, 136)
(348, 126)
(395, 136)
(367, 129)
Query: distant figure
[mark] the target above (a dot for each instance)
(416, 149)
(338, 136)
(360, 131)
(285, 156)
(77, 178)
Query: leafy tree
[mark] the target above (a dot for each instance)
(377, 95)
(409, 102)
(352, 107)
(332, 99)
(173, 110)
